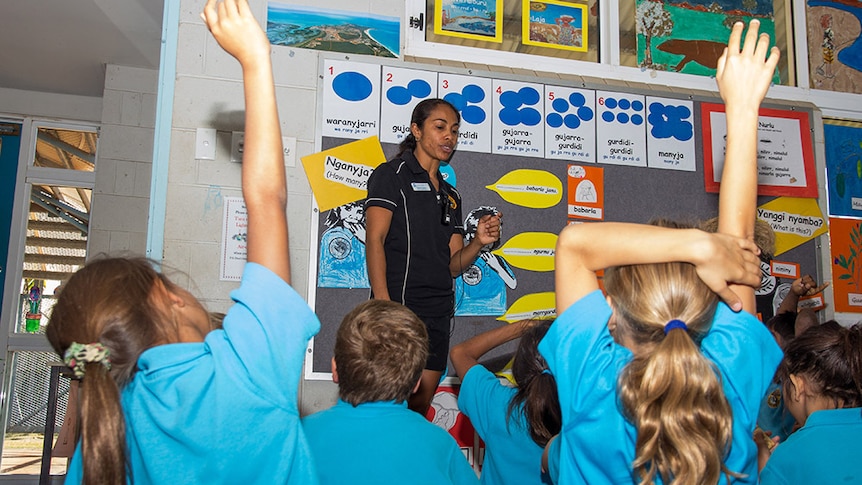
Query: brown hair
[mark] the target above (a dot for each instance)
(536, 397)
(380, 351)
(764, 236)
(110, 301)
(669, 390)
(830, 357)
(420, 114)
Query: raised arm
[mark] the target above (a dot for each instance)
(583, 249)
(263, 178)
(466, 354)
(743, 77)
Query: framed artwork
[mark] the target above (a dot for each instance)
(834, 47)
(559, 25)
(845, 244)
(843, 167)
(785, 151)
(474, 19)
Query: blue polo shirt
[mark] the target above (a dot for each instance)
(417, 245)
(825, 450)
(597, 443)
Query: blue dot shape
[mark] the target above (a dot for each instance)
(625, 104)
(682, 112)
(637, 120)
(555, 120)
(608, 116)
(577, 99)
(457, 101)
(398, 95)
(473, 115)
(473, 93)
(530, 117)
(352, 86)
(684, 132)
(560, 105)
(572, 121)
(637, 105)
(419, 88)
(510, 116)
(529, 95)
(611, 103)
(623, 118)
(510, 99)
(585, 113)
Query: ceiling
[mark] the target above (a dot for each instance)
(63, 46)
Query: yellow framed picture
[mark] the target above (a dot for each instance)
(469, 19)
(553, 24)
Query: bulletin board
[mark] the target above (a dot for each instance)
(642, 174)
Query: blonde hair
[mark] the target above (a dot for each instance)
(380, 351)
(669, 390)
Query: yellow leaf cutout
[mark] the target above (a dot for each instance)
(536, 189)
(539, 306)
(532, 251)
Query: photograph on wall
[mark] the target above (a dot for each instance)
(469, 19)
(558, 25)
(333, 30)
(843, 140)
(834, 45)
(785, 152)
(689, 36)
(845, 244)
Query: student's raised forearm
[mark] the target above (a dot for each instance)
(466, 354)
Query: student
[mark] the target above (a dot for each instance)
(165, 398)
(514, 422)
(415, 241)
(659, 382)
(369, 436)
(822, 378)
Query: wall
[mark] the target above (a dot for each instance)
(122, 192)
(48, 105)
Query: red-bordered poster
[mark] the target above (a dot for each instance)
(785, 153)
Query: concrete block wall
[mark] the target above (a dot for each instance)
(124, 165)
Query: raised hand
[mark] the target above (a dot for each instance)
(745, 72)
(236, 30)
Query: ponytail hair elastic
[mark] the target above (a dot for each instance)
(78, 355)
(673, 324)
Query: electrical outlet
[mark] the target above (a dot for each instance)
(205, 143)
(237, 139)
(288, 143)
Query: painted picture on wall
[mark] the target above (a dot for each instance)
(332, 30)
(845, 244)
(844, 166)
(835, 45)
(555, 24)
(469, 19)
(690, 35)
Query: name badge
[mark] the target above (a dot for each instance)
(421, 187)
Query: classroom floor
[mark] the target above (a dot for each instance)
(22, 455)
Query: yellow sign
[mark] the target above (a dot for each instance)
(795, 220)
(540, 306)
(339, 175)
(536, 189)
(532, 251)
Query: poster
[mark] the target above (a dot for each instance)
(402, 90)
(340, 175)
(670, 134)
(586, 192)
(471, 96)
(785, 155)
(351, 99)
(234, 239)
(570, 124)
(333, 30)
(620, 130)
(559, 25)
(517, 126)
(473, 19)
(834, 47)
(795, 220)
(843, 146)
(845, 244)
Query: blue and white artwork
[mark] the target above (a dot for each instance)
(844, 167)
(670, 134)
(518, 112)
(481, 289)
(402, 90)
(351, 99)
(621, 129)
(342, 248)
(471, 96)
(570, 123)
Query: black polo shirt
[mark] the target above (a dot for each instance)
(417, 245)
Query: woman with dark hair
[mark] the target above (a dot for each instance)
(414, 233)
(514, 422)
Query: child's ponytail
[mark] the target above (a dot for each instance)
(674, 397)
(103, 436)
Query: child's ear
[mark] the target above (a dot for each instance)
(335, 372)
(799, 386)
